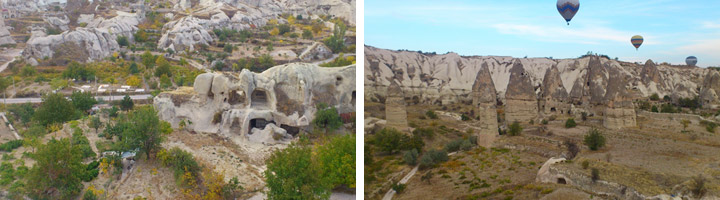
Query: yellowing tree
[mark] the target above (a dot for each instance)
(291, 19)
(275, 31)
(133, 81)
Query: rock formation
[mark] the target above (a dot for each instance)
(97, 40)
(484, 99)
(5, 37)
(238, 106)
(592, 84)
(395, 112)
(710, 90)
(554, 97)
(184, 34)
(521, 101)
(316, 51)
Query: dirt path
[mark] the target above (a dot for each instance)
(10, 54)
(404, 180)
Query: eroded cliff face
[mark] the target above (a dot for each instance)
(531, 88)
(264, 108)
(94, 42)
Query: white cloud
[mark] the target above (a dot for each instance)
(711, 25)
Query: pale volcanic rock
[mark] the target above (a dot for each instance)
(395, 112)
(5, 37)
(98, 40)
(710, 90)
(484, 100)
(521, 99)
(554, 97)
(284, 95)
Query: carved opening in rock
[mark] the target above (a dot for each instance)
(259, 98)
(290, 129)
(259, 123)
(353, 97)
(553, 109)
(561, 181)
(234, 98)
(338, 80)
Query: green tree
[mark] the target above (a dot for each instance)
(336, 42)
(123, 41)
(307, 34)
(79, 72)
(133, 69)
(594, 139)
(163, 69)
(291, 174)
(126, 103)
(570, 123)
(95, 123)
(337, 159)
(327, 118)
(23, 112)
(56, 171)
(148, 59)
(515, 129)
(388, 140)
(83, 101)
(54, 109)
(141, 36)
(654, 97)
(145, 131)
(228, 48)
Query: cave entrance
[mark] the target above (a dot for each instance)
(259, 123)
(553, 109)
(235, 97)
(292, 130)
(561, 181)
(259, 98)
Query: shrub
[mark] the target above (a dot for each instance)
(709, 126)
(10, 145)
(410, 157)
(122, 41)
(572, 149)
(431, 114)
(585, 164)
(89, 195)
(654, 97)
(424, 132)
(327, 118)
(411, 142)
(473, 139)
(594, 139)
(217, 118)
(698, 187)
(433, 157)
(453, 146)
(180, 161)
(570, 123)
(668, 108)
(515, 129)
(584, 116)
(399, 188)
(544, 122)
(388, 139)
(466, 145)
(464, 117)
(654, 109)
(595, 174)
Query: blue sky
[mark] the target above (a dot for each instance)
(673, 29)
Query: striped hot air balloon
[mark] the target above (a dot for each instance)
(568, 9)
(691, 60)
(637, 41)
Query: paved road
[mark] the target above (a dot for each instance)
(106, 98)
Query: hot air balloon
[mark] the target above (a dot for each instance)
(568, 9)
(691, 60)
(637, 41)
